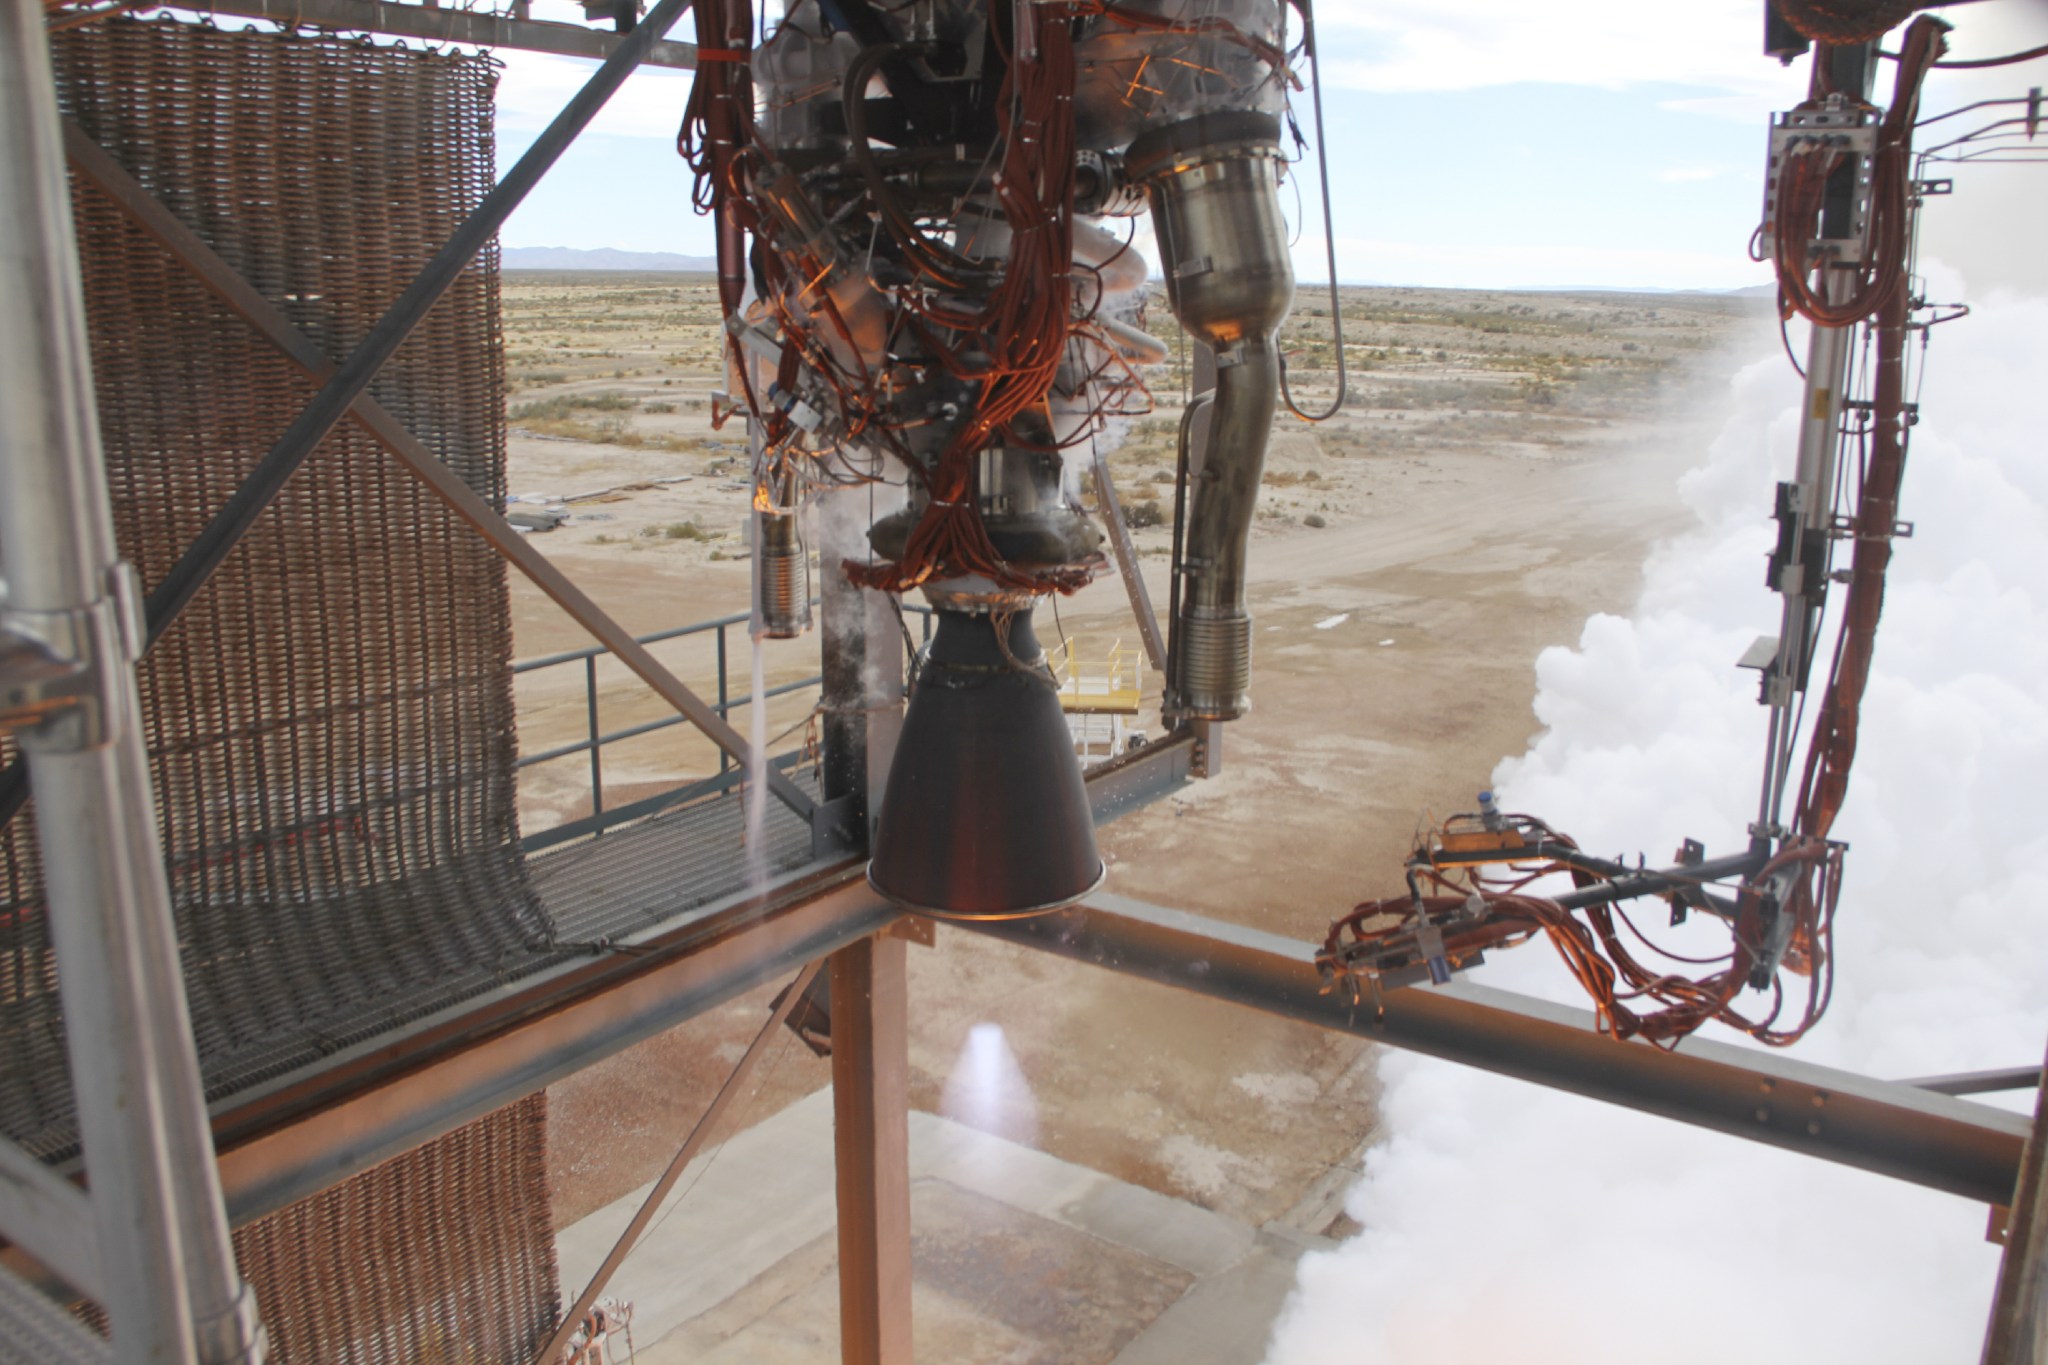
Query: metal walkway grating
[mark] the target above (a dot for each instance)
(643, 876)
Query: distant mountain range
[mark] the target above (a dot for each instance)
(600, 258)
(611, 258)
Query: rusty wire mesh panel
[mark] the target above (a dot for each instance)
(443, 1256)
(331, 722)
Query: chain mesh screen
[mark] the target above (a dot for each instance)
(331, 721)
(443, 1256)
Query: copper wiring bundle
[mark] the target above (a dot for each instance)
(1455, 911)
(1803, 183)
(999, 326)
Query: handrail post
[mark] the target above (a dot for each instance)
(596, 742)
(724, 701)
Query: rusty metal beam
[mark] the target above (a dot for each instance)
(2018, 1331)
(379, 1100)
(107, 175)
(1892, 1129)
(871, 1125)
(369, 1103)
(439, 25)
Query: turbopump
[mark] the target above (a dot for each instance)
(926, 284)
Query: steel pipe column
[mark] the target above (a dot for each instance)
(170, 1281)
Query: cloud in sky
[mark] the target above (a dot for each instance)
(1485, 143)
(1413, 45)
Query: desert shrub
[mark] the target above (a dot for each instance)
(1139, 515)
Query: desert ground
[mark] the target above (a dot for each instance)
(1496, 474)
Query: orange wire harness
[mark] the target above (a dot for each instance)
(1802, 186)
(1455, 911)
(1001, 327)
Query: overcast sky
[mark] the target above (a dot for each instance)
(1484, 143)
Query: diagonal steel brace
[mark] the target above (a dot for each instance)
(92, 162)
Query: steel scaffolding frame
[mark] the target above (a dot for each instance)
(155, 1244)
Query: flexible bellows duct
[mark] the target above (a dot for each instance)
(1213, 182)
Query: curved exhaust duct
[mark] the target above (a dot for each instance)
(1213, 182)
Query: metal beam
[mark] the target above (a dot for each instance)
(379, 1101)
(871, 1149)
(371, 1102)
(128, 194)
(352, 377)
(1946, 1144)
(1112, 509)
(1980, 1082)
(1138, 778)
(452, 26)
(52, 1217)
(2018, 1330)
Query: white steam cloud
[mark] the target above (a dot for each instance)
(1507, 1223)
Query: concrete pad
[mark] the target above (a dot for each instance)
(1226, 1318)
(1019, 1258)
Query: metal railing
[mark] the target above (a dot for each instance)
(595, 738)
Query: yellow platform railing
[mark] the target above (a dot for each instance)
(1097, 684)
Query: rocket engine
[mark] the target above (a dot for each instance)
(923, 287)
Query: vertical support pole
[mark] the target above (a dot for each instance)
(2018, 1334)
(1801, 579)
(724, 702)
(168, 1265)
(870, 1107)
(861, 660)
(596, 748)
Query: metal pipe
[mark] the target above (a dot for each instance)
(1213, 182)
(782, 580)
(1127, 562)
(1946, 1144)
(596, 747)
(163, 1247)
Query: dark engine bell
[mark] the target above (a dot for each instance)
(985, 815)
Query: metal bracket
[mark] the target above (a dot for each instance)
(1844, 528)
(58, 669)
(1850, 130)
(837, 827)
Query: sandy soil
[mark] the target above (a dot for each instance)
(1487, 490)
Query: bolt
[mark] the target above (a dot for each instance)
(1820, 1098)
(1763, 1115)
(1813, 1127)
(1764, 1086)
